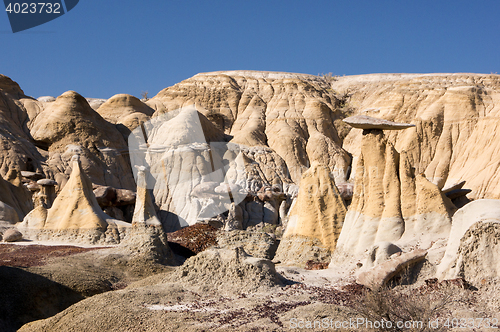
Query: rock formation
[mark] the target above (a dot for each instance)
(74, 211)
(47, 193)
(315, 220)
(368, 122)
(144, 212)
(227, 271)
(68, 126)
(472, 246)
(198, 175)
(180, 161)
(240, 157)
(126, 112)
(289, 113)
(391, 203)
(452, 113)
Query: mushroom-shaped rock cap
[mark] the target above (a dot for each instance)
(32, 175)
(33, 186)
(453, 187)
(368, 122)
(46, 182)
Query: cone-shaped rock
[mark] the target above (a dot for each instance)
(144, 212)
(76, 206)
(315, 220)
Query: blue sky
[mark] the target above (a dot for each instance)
(105, 47)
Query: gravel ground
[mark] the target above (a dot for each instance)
(16, 255)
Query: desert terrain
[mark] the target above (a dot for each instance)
(254, 201)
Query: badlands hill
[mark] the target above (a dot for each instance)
(261, 169)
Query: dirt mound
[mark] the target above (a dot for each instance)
(26, 296)
(255, 243)
(227, 271)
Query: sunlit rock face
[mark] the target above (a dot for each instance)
(391, 203)
(455, 115)
(315, 220)
(292, 114)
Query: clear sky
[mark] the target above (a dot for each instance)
(105, 47)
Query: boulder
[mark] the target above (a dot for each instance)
(46, 182)
(453, 194)
(32, 175)
(452, 187)
(12, 235)
(379, 275)
(105, 195)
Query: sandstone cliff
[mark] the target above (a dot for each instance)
(289, 113)
(456, 117)
(68, 126)
(390, 203)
